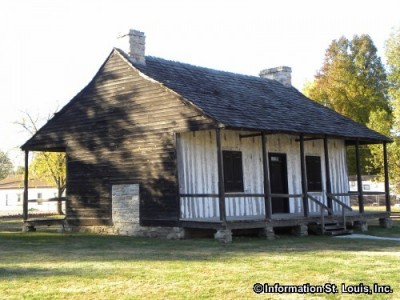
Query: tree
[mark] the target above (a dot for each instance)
(392, 53)
(381, 122)
(393, 62)
(352, 81)
(50, 166)
(6, 165)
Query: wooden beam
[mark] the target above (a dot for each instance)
(359, 179)
(309, 139)
(286, 195)
(327, 174)
(26, 187)
(267, 183)
(303, 177)
(386, 171)
(242, 136)
(344, 194)
(221, 183)
(199, 195)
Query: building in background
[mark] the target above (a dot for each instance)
(41, 196)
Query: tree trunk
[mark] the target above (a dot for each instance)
(59, 202)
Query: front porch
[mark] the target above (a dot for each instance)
(283, 220)
(285, 181)
(297, 224)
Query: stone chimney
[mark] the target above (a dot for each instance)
(133, 43)
(282, 74)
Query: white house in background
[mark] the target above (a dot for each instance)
(369, 184)
(12, 191)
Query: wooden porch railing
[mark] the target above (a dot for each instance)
(344, 207)
(48, 199)
(322, 207)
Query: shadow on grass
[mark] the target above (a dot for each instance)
(58, 248)
(11, 273)
(45, 254)
(89, 247)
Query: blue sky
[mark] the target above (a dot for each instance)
(50, 49)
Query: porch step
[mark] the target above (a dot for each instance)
(330, 229)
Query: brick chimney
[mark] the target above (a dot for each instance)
(282, 74)
(133, 43)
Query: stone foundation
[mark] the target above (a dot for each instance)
(172, 233)
(386, 222)
(360, 225)
(223, 235)
(267, 232)
(125, 208)
(300, 230)
(28, 228)
(125, 216)
(91, 229)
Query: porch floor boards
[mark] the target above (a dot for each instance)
(280, 220)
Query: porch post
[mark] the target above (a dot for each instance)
(221, 184)
(267, 183)
(303, 177)
(359, 179)
(177, 169)
(327, 174)
(386, 170)
(26, 182)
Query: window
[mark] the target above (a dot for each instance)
(233, 171)
(19, 197)
(366, 187)
(39, 195)
(314, 178)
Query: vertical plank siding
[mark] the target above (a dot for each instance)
(198, 174)
(197, 169)
(338, 171)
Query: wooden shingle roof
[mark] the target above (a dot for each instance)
(249, 102)
(234, 101)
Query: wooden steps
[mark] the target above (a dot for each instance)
(330, 229)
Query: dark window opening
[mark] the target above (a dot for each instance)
(314, 178)
(233, 171)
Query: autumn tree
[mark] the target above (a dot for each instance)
(6, 165)
(352, 81)
(392, 53)
(393, 63)
(49, 166)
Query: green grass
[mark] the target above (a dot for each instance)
(49, 265)
(380, 208)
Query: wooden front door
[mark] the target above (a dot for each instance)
(279, 182)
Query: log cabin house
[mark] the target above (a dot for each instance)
(157, 147)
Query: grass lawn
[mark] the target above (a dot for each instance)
(50, 265)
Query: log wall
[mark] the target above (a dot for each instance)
(121, 130)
